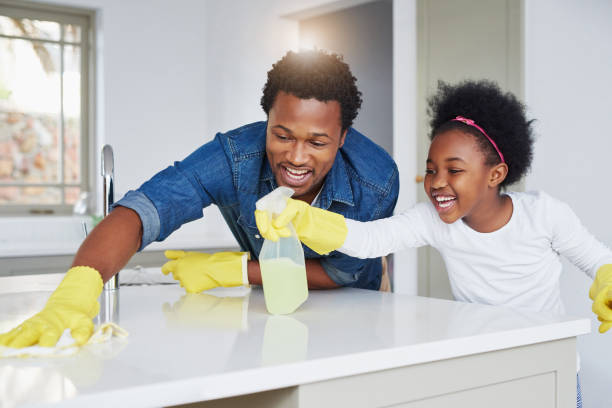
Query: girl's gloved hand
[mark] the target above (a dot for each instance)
(601, 294)
(322, 231)
(197, 271)
(73, 305)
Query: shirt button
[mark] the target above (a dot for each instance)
(257, 236)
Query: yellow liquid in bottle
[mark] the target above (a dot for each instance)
(284, 284)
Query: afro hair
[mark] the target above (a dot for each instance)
(500, 114)
(314, 74)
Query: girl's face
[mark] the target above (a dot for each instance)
(457, 181)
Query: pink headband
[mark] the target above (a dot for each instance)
(470, 122)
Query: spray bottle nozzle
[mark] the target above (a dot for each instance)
(275, 201)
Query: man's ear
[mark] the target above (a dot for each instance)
(342, 138)
(498, 174)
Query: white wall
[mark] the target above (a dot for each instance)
(569, 92)
(245, 39)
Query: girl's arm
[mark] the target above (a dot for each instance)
(372, 239)
(571, 239)
(324, 231)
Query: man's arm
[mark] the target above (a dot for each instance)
(112, 243)
(74, 303)
(315, 274)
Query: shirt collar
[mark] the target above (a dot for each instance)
(335, 188)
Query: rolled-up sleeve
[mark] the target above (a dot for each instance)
(147, 212)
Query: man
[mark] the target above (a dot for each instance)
(306, 144)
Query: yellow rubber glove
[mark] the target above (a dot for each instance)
(601, 294)
(197, 271)
(73, 305)
(322, 231)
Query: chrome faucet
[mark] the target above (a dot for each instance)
(108, 176)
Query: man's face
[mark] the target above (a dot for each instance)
(302, 139)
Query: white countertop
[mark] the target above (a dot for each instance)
(183, 348)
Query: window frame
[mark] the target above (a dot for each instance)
(84, 18)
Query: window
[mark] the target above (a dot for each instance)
(45, 104)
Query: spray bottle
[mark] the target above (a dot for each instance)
(283, 271)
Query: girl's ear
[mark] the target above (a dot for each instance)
(498, 174)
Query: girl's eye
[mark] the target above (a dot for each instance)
(429, 171)
(455, 171)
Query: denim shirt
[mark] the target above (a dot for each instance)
(232, 171)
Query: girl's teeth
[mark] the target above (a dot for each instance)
(445, 201)
(441, 199)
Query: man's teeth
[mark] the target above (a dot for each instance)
(296, 174)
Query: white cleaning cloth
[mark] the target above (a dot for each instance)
(66, 345)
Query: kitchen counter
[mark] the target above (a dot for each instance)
(344, 347)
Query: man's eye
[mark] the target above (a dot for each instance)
(318, 144)
(282, 137)
(429, 171)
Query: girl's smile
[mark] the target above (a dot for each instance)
(443, 202)
(462, 186)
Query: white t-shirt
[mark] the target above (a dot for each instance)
(518, 265)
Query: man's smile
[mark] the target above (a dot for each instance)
(295, 176)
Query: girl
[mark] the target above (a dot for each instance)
(499, 248)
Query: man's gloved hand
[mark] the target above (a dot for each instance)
(73, 305)
(197, 271)
(322, 231)
(601, 294)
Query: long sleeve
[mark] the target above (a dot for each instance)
(410, 229)
(572, 240)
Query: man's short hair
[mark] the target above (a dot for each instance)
(314, 74)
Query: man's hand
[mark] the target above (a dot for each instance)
(197, 271)
(322, 231)
(601, 294)
(73, 305)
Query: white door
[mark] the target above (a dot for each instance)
(467, 39)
